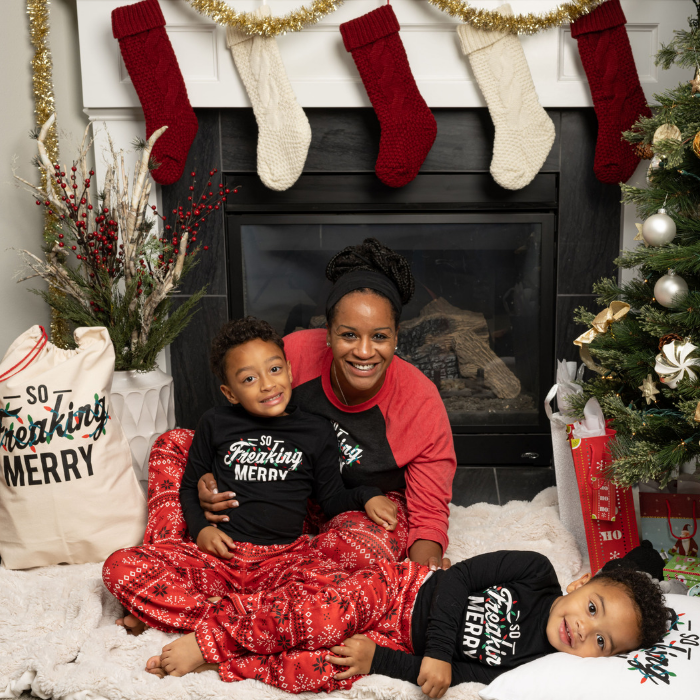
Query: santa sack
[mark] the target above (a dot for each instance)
(68, 492)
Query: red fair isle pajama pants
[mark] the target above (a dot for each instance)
(285, 638)
(351, 539)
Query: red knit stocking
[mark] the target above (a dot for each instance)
(408, 127)
(150, 60)
(617, 95)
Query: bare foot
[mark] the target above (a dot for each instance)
(181, 656)
(153, 665)
(132, 624)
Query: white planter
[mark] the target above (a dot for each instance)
(144, 402)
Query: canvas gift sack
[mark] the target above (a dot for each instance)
(68, 492)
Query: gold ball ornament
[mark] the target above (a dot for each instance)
(667, 132)
(696, 144)
(673, 363)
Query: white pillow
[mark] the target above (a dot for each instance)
(669, 670)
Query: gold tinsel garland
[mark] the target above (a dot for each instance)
(490, 20)
(42, 84)
(249, 23)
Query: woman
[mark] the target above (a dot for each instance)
(391, 423)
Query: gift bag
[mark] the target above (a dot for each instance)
(608, 510)
(670, 522)
(68, 492)
(560, 424)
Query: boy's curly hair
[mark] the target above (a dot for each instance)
(648, 601)
(236, 333)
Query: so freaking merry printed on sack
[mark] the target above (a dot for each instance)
(26, 434)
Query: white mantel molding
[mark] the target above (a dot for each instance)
(323, 74)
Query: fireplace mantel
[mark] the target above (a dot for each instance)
(323, 75)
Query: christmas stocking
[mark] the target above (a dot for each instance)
(284, 131)
(408, 127)
(617, 95)
(150, 60)
(524, 132)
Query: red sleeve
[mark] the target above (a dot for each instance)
(429, 480)
(420, 436)
(305, 351)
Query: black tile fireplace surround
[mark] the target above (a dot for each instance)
(338, 178)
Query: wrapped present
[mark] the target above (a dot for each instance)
(685, 569)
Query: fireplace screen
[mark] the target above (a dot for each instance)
(476, 326)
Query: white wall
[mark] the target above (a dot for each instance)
(21, 222)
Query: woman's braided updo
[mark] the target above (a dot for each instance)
(372, 255)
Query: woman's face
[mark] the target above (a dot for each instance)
(363, 338)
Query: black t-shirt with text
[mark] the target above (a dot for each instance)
(273, 465)
(484, 615)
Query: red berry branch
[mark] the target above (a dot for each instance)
(115, 246)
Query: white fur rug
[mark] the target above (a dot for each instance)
(58, 638)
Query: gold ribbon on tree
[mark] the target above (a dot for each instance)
(303, 17)
(616, 311)
(42, 87)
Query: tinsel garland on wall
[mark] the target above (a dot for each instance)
(42, 85)
(222, 13)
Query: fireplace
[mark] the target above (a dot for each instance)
(498, 273)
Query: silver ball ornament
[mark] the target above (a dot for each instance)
(669, 287)
(659, 229)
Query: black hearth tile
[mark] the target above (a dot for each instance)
(196, 388)
(239, 140)
(474, 485)
(203, 157)
(567, 330)
(589, 211)
(521, 483)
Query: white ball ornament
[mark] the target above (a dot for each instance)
(659, 229)
(669, 287)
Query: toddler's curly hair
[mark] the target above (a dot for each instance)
(235, 333)
(648, 601)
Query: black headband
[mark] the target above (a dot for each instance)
(360, 279)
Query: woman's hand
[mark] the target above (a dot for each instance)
(428, 553)
(435, 677)
(212, 541)
(382, 511)
(356, 653)
(212, 501)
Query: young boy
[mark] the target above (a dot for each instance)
(472, 622)
(274, 457)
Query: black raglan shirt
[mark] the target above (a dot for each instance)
(273, 465)
(484, 615)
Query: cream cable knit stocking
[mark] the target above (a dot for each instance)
(284, 131)
(524, 132)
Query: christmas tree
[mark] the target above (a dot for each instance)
(644, 357)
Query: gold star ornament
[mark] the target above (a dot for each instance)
(639, 236)
(648, 389)
(695, 82)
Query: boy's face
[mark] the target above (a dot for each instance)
(594, 619)
(259, 378)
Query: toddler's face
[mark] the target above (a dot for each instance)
(594, 619)
(259, 378)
